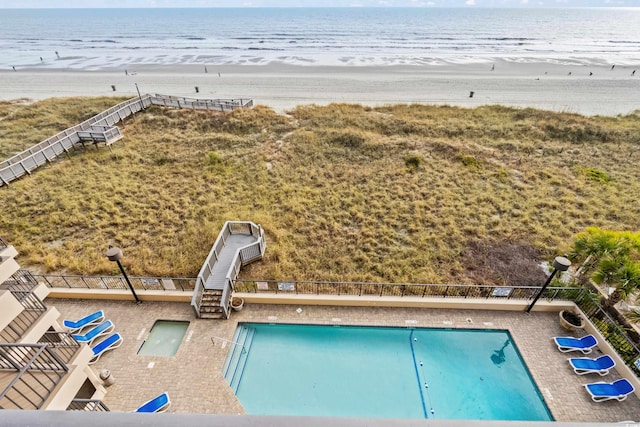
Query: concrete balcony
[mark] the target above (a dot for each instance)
(79, 372)
(8, 266)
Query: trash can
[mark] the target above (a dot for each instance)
(106, 377)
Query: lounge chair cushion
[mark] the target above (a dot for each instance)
(584, 344)
(602, 391)
(585, 365)
(158, 404)
(89, 320)
(111, 342)
(95, 332)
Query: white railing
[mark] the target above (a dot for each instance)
(243, 256)
(48, 150)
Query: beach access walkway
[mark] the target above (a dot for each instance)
(101, 129)
(238, 244)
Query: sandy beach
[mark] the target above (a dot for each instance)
(587, 90)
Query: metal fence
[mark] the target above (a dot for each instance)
(401, 289)
(116, 282)
(610, 329)
(91, 405)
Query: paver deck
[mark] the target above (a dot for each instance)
(193, 377)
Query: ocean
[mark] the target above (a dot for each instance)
(90, 39)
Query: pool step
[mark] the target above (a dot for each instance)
(237, 359)
(233, 357)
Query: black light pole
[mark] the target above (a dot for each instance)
(559, 264)
(114, 254)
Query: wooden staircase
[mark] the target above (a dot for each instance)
(238, 244)
(210, 304)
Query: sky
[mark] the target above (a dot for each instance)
(311, 3)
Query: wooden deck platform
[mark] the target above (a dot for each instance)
(226, 259)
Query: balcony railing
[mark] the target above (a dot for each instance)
(30, 373)
(21, 280)
(63, 342)
(21, 287)
(91, 405)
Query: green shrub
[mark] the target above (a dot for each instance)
(470, 161)
(412, 163)
(213, 158)
(595, 174)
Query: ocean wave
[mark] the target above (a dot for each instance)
(632, 42)
(93, 41)
(404, 36)
(264, 48)
(192, 38)
(506, 39)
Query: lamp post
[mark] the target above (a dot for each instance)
(115, 254)
(140, 97)
(559, 264)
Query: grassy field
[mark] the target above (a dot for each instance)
(407, 193)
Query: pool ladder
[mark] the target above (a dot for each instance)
(237, 357)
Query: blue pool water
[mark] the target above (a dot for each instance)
(381, 373)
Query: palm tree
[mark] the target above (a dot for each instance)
(609, 258)
(634, 315)
(593, 246)
(623, 275)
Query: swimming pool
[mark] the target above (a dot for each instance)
(378, 372)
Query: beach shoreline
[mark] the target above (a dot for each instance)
(587, 90)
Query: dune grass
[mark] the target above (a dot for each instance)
(402, 193)
(24, 124)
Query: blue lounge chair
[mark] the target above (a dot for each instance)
(102, 329)
(158, 404)
(109, 343)
(618, 390)
(584, 344)
(90, 320)
(584, 365)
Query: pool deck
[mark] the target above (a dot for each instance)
(193, 377)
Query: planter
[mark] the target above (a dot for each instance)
(571, 321)
(237, 303)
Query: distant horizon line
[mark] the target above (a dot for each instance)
(522, 6)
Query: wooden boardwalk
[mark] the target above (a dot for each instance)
(226, 259)
(238, 243)
(101, 129)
